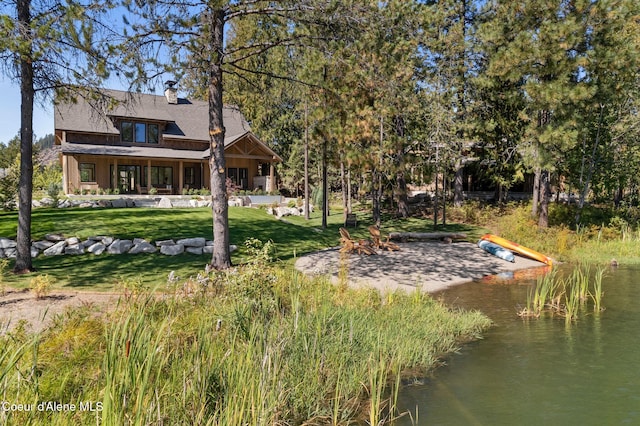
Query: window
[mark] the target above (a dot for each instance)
(239, 176)
(126, 130)
(139, 132)
(87, 172)
(152, 133)
(190, 176)
(160, 176)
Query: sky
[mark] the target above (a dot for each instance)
(10, 113)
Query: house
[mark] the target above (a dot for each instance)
(155, 141)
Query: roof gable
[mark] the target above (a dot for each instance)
(185, 120)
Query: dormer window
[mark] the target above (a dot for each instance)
(139, 132)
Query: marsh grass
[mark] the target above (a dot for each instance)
(258, 345)
(565, 296)
(4, 263)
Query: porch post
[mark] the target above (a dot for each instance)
(148, 175)
(272, 177)
(180, 177)
(65, 174)
(115, 172)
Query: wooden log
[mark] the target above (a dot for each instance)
(420, 236)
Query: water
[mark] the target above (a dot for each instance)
(538, 371)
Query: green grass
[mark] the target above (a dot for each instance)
(291, 236)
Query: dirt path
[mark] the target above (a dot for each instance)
(18, 305)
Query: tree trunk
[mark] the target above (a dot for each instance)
(349, 196)
(536, 192)
(445, 185)
(458, 194)
(221, 258)
(375, 197)
(343, 184)
(25, 186)
(401, 183)
(325, 186)
(306, 162)
(545, 197)
(403, 199)
(435, 205)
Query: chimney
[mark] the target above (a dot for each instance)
(170, 92)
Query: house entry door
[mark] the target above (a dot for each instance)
(128, 179)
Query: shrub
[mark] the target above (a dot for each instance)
(3, 266)
(41, 285)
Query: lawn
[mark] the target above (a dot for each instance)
(292, 236)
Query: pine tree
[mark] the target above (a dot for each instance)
(537, 43)
(50, 49)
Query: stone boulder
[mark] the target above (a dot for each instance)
(56, 250)
(194, 250)
(74, 249)
(96, 248)
(173, 250)
(42, 245)
(165, 243)
(6, 243)
(120, 246)
(165, 203)
(54, 237)
(192, 242)
(72, 241)
(119, 203)
(143, 247)
(107, 241)
(11, 253)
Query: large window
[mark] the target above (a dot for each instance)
(190, 176)
(87, 172)
(152, 133)
(239, 176)
(126, 130)
(139, 132)
(160, 176)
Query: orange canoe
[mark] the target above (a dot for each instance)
(517, 248)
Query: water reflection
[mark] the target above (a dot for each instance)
(538, 371)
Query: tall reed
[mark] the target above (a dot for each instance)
(597, 293)
(565, 296)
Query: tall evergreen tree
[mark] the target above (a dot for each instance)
(538, 42)
(49, 48)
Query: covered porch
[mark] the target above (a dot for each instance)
(136, 170)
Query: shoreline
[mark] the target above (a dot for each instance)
(426, 266)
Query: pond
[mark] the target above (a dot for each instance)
(538, 371)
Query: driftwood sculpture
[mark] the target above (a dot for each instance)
(349, 245)
(377, 240)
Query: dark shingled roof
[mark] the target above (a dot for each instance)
(134, 151)
(187, 120)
